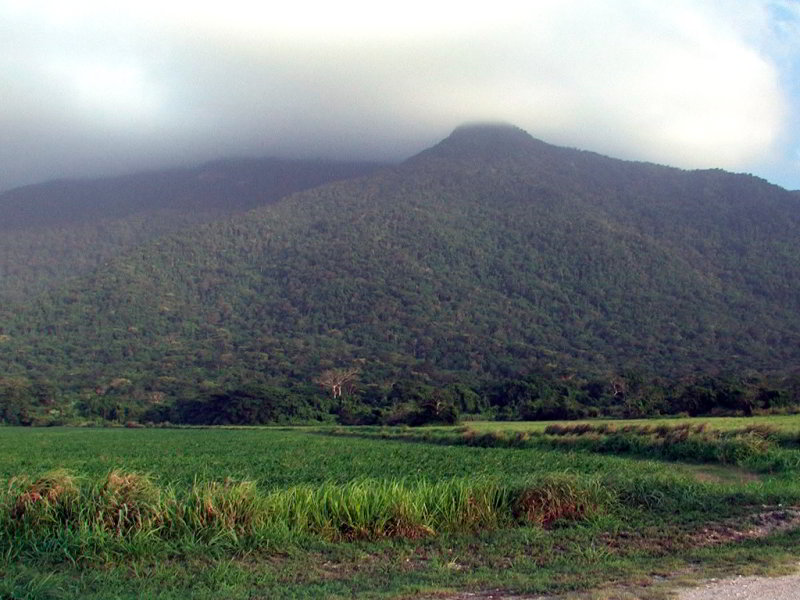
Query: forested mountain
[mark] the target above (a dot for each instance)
(491, 257)
(52, 231)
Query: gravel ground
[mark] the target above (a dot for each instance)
(747, 588)
(737, 588)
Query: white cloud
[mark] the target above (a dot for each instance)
(689, 82)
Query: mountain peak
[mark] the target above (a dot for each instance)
(490, 130)
(485, 141)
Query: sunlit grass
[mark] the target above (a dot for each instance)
(788, 423)
(272, 458)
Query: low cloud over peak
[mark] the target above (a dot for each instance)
(91, 88)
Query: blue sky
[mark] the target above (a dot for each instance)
(101, 87)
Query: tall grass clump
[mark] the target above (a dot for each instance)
(355, 510)
(41, 503)
(370, 509)
(561, 497)
(61, 514)
(126, 513)
(124, 502)
(220, 506)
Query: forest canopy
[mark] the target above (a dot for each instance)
(490, 274)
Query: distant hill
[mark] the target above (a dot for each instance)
(55, 230)
(490, 256)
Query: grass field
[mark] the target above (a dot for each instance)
(273, 458)
(788, 423)
(377, 512)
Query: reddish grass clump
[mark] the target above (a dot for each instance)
(546, 505)
(128, 501)
(49, 490)
(408, 529)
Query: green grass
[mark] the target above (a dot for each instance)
(375, 513)
(759, 448)
(787, 423)
(125, 514)
(271, 457)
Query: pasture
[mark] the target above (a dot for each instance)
(786, 423)
(394, 512)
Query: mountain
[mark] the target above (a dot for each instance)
(490, 256)
(55, 230)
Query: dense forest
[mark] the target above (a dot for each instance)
(492, 274)
(61, 229)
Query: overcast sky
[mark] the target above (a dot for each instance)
(104, 87)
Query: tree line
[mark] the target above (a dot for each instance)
(411, 401)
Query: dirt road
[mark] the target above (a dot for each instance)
(747, 588)
(735, 588)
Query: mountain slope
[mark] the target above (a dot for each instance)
(52, 231)
(489, 255)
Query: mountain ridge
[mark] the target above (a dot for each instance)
(225, 185)
(451, 268)
(66, 228)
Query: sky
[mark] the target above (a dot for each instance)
(91, 88)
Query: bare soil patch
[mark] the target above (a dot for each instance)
(721, 474)
(755, 526)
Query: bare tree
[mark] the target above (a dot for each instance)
(618, 384)
(337, 380)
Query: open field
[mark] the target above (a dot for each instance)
(788, 423)
(377, 512)
(272, 457)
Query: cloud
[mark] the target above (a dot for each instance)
(94, 87)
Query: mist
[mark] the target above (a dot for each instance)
(98, 89)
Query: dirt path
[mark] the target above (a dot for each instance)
(747, 588)
(736, 588)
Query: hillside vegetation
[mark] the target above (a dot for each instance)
(60, 229)
(493, 273)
